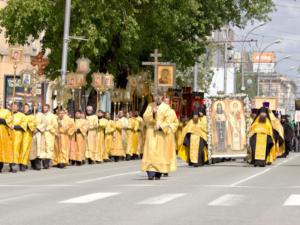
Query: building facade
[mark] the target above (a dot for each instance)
(8, 54)
(280, 86)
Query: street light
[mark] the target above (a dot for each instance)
(278, 41)
(284, 58)
(242, 53)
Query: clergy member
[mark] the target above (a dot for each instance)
(66, 128)
(288, 134)
(38, 141)
(6, 153)
(46, 153)
(261, 138)
(123, 120)
(78, 140)
(27, 137)
(91, 151)
(102, 123)
(117, 150)
(109, 132)
(155, 160)
(195, 140)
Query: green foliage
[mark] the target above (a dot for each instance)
(122, 33)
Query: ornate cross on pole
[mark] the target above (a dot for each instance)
(155, 64)
(41, 64)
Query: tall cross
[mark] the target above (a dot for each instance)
(41, 64)
(156, 63)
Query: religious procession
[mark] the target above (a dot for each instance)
(217, 128)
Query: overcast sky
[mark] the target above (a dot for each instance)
(284, 25)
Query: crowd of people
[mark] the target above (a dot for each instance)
(57, 139)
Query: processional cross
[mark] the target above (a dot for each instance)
(41, 64)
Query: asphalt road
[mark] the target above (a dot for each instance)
(230, 193)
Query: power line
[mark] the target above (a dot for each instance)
(288, 6)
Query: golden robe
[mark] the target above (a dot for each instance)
(6, 153)
(78, 141)
(197, 131)
(171, 145)
(117, 148)
(101, 138)
(155, 157)
(132, 136)
(109, 132)
(19, 120)
(124, 126)
(264, 135)
(92, 151)
(38, 141)
(49, 135)
(66, 128)
(141, 135)
(27, 139)
(277, 126)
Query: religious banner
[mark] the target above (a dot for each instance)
(176, 104)
(227, 126)
(166, 75)
(20, 92)
(273, 101)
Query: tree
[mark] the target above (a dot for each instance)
(122, 33)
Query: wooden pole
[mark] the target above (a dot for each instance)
(14, 84)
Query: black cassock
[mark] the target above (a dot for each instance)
(253, 148)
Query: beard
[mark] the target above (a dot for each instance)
(262, 119)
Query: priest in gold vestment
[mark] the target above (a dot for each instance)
(6, 153)
(155, 159)
(102, 123)
(46, 153)
(194, 148)
(109, 132)
(38, 141)
(66, 128)
(27, 137)
(19, 128)
(78, 140)
(261, 138)
(91, 151)
(132, 137)
(117, 150)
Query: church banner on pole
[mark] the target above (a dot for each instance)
(228, 126)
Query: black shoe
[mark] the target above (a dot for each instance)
(157, 178)
(22, 167)
(150, 178)
(128, 157)
(165, 174)
(107, 160)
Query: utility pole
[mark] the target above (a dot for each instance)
(66, 41)
(225, 63)
(196, 77)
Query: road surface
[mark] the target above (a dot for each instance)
(229, 193)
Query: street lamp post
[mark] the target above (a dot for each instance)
(242, 53)
(258, 68)
(276, 63)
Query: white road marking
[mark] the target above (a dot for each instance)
(293, 200)
(106, 177)
(18, 198)
(36, 185)
(227, 200)
(161, 199)
(88, 198)
(250, 177)
(263, 172)
(138, 185)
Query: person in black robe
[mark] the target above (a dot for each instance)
(288, 134)
(261, 120)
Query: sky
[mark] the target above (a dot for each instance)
(284, 25)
